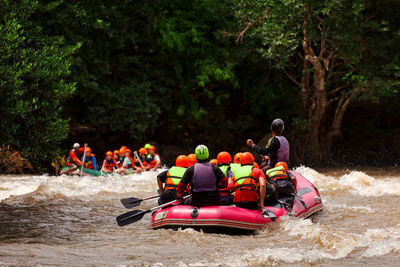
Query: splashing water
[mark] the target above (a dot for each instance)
(69, 220)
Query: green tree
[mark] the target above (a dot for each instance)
(324, 48)
(33, 68)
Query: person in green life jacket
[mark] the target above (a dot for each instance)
(224, 163)
(277, 148)
(284, 182)
(169, 180)
(236, 161)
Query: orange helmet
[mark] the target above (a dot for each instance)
(246, 159)
(128, 151)
(255, 165)
(281, 163)
(116, 152)
(109, 153)
(224, 157)
(192, 159)
(182, 161)
(152, 148)
(214, 161)
(143, 151)
(123, 147)
(122, 151)
(236, 158)
(88, 150)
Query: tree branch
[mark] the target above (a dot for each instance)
(249, 26)
(290, 76)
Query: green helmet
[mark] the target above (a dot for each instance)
(147, 146)
(201, 152)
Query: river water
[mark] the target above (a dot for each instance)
(60, 221)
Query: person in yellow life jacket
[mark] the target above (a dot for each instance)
(248, 183)
(192, 159)
(284, 182)
(169, 180)
(153, 159)
(224, 160)
(109, 164)
(90, 160)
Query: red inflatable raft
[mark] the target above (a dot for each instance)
(306, 202)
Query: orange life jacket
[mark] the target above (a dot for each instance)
(110, 164)
(277, 173)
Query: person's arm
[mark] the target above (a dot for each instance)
(272, 146)
(161, 178)
(73, 156)
(294, 180)
(186, 179)
(94, 163)
(219, 174)
(263, 186)
(103, 167)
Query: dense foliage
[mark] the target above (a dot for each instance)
(33, 68)
(183, 72)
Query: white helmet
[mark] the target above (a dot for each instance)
(77, 145)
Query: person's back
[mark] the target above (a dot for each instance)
(245, 183)
(224, 160)
(279, 176)
(204, 179)
(171, 179)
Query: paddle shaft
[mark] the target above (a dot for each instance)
(83, 161)
(139, 160)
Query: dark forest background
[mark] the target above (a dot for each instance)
(178, 73)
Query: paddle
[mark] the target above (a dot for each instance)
(137, 156)
(83, 161)
(132, 202)
(137, 215)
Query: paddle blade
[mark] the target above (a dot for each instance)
(131, 202)
(131, 217)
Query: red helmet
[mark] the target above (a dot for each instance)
(109, 153)
(214, 161)
(192, 159)
(256, 165)
(128, 151)
(182, 161)
(122, 151)
(224, 157)
(123, 147)
(152, 148)
(116, 152)
(143, 151)
(88, 150)
(236, 158)
(281, 163)
(246, 159)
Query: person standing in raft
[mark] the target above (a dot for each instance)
(169, 180)
(246, 182)
(109, 164)
(204, 180)
(73, 159)
(277, 149)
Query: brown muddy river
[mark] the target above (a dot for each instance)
(70, 221)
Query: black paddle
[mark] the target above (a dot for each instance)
(137, 215)
(132, 202)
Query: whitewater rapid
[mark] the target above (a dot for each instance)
(69, 220)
